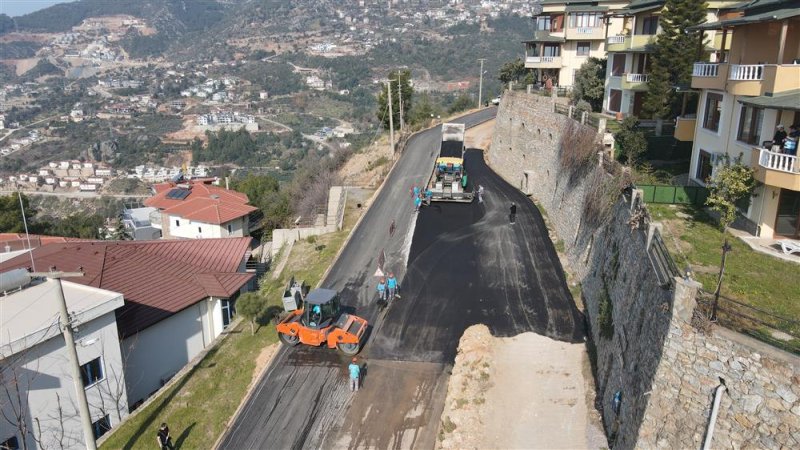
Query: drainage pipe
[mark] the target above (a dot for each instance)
(713, 420)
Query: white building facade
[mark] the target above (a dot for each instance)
(38, 391)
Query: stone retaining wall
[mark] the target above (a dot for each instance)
(665, 369)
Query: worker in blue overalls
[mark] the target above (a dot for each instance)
(391, 286)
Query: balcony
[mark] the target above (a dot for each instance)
(635, 81)
(684, 128)
(543, 62)
(548, 36)
(746, 79)
(709, 76)
(586, 33)
(776, 169)
(624, 43)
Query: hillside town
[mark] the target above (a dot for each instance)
(405, 223)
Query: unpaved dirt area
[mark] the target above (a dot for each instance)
(526, 391)
(368, 167)
(480, 136)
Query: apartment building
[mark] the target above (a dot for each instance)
(566, 34)
(744, 97)
(630, 49)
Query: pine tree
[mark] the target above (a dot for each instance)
(408, 93)
(676, 50)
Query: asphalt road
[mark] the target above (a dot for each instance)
(466, 265)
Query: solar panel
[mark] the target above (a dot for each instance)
(178, 194)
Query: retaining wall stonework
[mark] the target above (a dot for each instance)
(665, 369)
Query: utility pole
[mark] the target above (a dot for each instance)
(400, 98)
(480, 85)
(391, 113)
(72, 354)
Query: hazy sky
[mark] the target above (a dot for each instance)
(22, 7)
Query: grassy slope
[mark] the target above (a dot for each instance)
(198, 406)
(751, 277)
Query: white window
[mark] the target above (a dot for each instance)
(584, 47)
(92, 372)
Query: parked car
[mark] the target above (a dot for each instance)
(496, 100)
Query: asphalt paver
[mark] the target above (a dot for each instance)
(466, 264)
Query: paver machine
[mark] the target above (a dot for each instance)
(319, 320)
(448, 182)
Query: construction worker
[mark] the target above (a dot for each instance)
(355, 374)
(428, 196)
(391, 286)
(417, 202)
(382, 289)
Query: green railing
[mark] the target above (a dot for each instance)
(674, 195)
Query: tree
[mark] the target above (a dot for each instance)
(631, 140)
(462, 103)
(11, 216)
(674, 54)
(403, 87)
(250, 305)
(589, 83)
(512, 71)
(732, 183)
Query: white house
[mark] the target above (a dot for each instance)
(179, 296)
(37, 386)
(198, 210)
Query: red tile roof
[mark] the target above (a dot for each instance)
(204, 203)
(209, 210)
(18, 241)
(157, 278)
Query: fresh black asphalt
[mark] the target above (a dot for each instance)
(466, 265)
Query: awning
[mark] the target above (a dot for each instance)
(789, 100)
(634, 11)
(586, 8)
(770, 16)
(545, 38)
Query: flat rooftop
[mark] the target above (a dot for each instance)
(30, 316)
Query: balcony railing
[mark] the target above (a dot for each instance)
(705, 70)
(778, 161)
(637, 77)
(750, 72)
(616, 39)
(584, 30)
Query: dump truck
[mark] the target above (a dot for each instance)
(448, 182)
(318, 320)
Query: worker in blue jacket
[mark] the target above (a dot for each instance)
(382, 289)
(391, 286)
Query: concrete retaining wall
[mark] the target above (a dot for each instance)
(664, 368)
(337, 200)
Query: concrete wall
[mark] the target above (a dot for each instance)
(337, 200)
(43, 373)
(664, 368)
(158, 352)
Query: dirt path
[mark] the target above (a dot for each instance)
(527, 391)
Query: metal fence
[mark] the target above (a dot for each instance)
(766, 326)
(674, 195)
